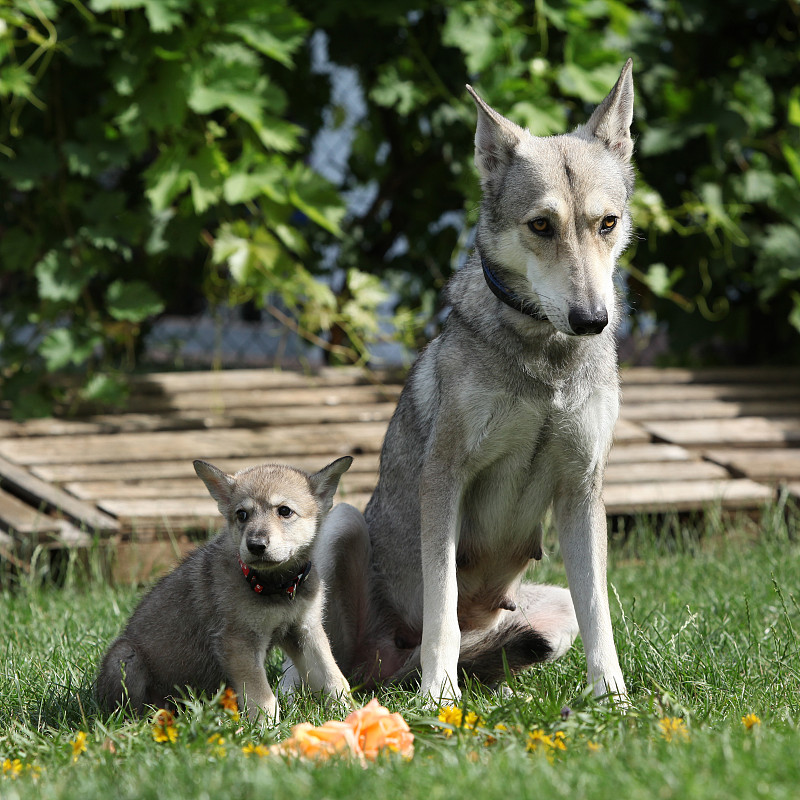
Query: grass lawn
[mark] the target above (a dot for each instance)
(706, 619)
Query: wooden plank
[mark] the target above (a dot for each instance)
(233, 397)
(176, 514)
(148, 423)
(15, 515)
(627, 432)
(266, 443)
(709, 409)
(664, 376)
(658, 472)
(249, 379)
(743, 431)
(793, 488)
(40, 493)
(186, 487)
(649, 498)
(688, 393)
(167, 514)
(759, 465)
(636, 453)
(139, 470)
(137, 562)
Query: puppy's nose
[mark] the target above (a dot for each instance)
(588, 321)
(256, 546)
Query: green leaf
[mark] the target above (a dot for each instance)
(316, 198)
(59, 278)
(277, 37)
(62, 347)
(109, 390)
(241, 187)
(132, 301)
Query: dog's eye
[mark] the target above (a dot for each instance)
(608, 223)
(285, 512)
(541, 226)
(241, 515)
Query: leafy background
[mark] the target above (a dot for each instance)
(156, 155)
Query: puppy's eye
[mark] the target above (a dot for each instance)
(241, 515)
(541, 226)
(608, 223)
(285, 512)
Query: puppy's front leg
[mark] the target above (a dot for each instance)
(312, 661)
(441, 635)
(245, 667)
(583, 537)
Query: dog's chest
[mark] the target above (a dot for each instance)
(523, 450)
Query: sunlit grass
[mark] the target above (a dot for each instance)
(706, 619)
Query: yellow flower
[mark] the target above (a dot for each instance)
(750, 720)
(229, 703)
(559, 740)
(12, 769)
(451, 715)
(674, 729)
(217, 745)
(164, 728)
(78, 745)
(593, 747)
(255, 750)
(539, 741)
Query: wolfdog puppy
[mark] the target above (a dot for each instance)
(253, 586)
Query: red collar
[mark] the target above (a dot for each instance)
(262, 585)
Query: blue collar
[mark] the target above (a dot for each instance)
(504, 294)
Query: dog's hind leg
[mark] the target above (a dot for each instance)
(342, 554)
(123, 678)
(541, 628)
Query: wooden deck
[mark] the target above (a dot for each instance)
(685, 440)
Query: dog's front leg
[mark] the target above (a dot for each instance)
(248, 678)
(583, 537)
(312, 662)
(441, 635)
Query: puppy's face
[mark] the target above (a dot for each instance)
(272, 511)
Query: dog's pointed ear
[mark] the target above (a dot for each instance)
(219, 485)
(495, 139)
(611, 120)
(324, 483)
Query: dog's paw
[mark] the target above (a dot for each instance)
(442, 692)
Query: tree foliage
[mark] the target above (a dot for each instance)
(149, 150)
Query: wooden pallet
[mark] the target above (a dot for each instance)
(685, 439)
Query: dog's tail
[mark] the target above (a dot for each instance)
(542, 628)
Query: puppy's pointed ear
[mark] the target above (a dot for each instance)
(324, 483)
(611, 120)
(495, 140)
(219, 485)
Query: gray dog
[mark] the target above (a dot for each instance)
(510, 411)
(212, 620)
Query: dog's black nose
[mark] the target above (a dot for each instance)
(588, 321)
(256, 547)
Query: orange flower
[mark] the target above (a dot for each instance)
(376, 728)
(363, 734)
(332, 738)
(229, 703)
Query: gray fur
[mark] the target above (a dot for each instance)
(502, 417)
(203, 626)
